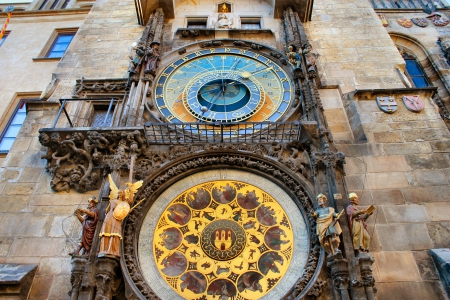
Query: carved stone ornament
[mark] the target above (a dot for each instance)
(413, 103)
(155, 184)
(98, 86)
(387, 104)
(438, 20)
(383, 19)
(407, 23)
(421, 22)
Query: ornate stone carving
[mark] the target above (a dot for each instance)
(211, 44)
(365, 278)
(76, 276)
(106, 278)
(339, 274)
(98, 86)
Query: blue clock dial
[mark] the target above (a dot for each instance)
(223, 85)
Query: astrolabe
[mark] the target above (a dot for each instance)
(121, 211)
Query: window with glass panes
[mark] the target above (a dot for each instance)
(415, 72)
(60, 45)
(12, 129)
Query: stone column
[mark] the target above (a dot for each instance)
(338, 266)
(364, 283)
(106, 276)
(76, 278)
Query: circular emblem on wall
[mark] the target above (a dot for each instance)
(223, 238)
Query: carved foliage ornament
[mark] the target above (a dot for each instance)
(157, 182)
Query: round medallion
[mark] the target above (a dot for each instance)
(221, 234)
(223, 240)
(223, 85)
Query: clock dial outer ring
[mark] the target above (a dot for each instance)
(274, 114)
(301, 240)
(251, 107)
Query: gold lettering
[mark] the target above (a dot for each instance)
(185, 58)
(162, 107)
(170, 118)
(227, 49)
(212, 50)
(242, 51)
(198, 53)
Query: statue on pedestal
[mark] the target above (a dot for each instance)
(118, 209)
(358, 227)
(152, 58)
(89, 222)
(327, 228)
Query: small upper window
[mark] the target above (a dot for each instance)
(12, 128)
(415, 72)
(224, 7)
(60, 45)
(197, 22)
(251, 23)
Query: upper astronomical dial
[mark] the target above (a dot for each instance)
(223, 85)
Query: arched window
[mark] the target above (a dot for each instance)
(415, 72)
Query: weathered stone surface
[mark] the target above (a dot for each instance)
(51, 266)
(388, 137)
(14, 203)
(31, 174)
(59, 199)
(396, 266)
(401, 237)
(355, 182)
(406, 148)
(19, 188)
(441, 146)
(427, 178)
(439, 211)
(440, 234)
(425, 134)
(406, 214)
(21, 144)
(35, 225)
(41, 287)
(37, 247)
(388, 197)
(376, 164)
(426, 194)
(10, 174)
(390, 180)
(5, 244)
(425, 265)
(410, 290)
(408, 125)
(357, 150)
(428, 161)
(60, 288)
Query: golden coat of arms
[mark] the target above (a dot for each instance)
(407, 23)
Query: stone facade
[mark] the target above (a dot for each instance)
(398, 162)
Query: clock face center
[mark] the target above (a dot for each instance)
(223, 92)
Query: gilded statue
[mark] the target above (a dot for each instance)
(358, 227)
(117, 210)
(88, 218)
(327, 228)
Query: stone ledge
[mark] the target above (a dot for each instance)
(16, 279)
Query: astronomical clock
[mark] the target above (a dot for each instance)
(223, 85)
(219, 225)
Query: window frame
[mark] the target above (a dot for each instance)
(409, 57)
(245, 18)
(43, 55)
(197, 19)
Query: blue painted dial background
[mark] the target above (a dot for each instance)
(270, 78)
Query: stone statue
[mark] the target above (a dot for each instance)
(136, 61)
(358, 227)
(223, 22)
(294, 57)
(327, 228)
(89, 223)
(310, 58)
(118, 209)
(152, 58)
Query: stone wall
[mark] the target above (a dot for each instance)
(356, 51)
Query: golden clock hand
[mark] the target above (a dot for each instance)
(247, 74)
